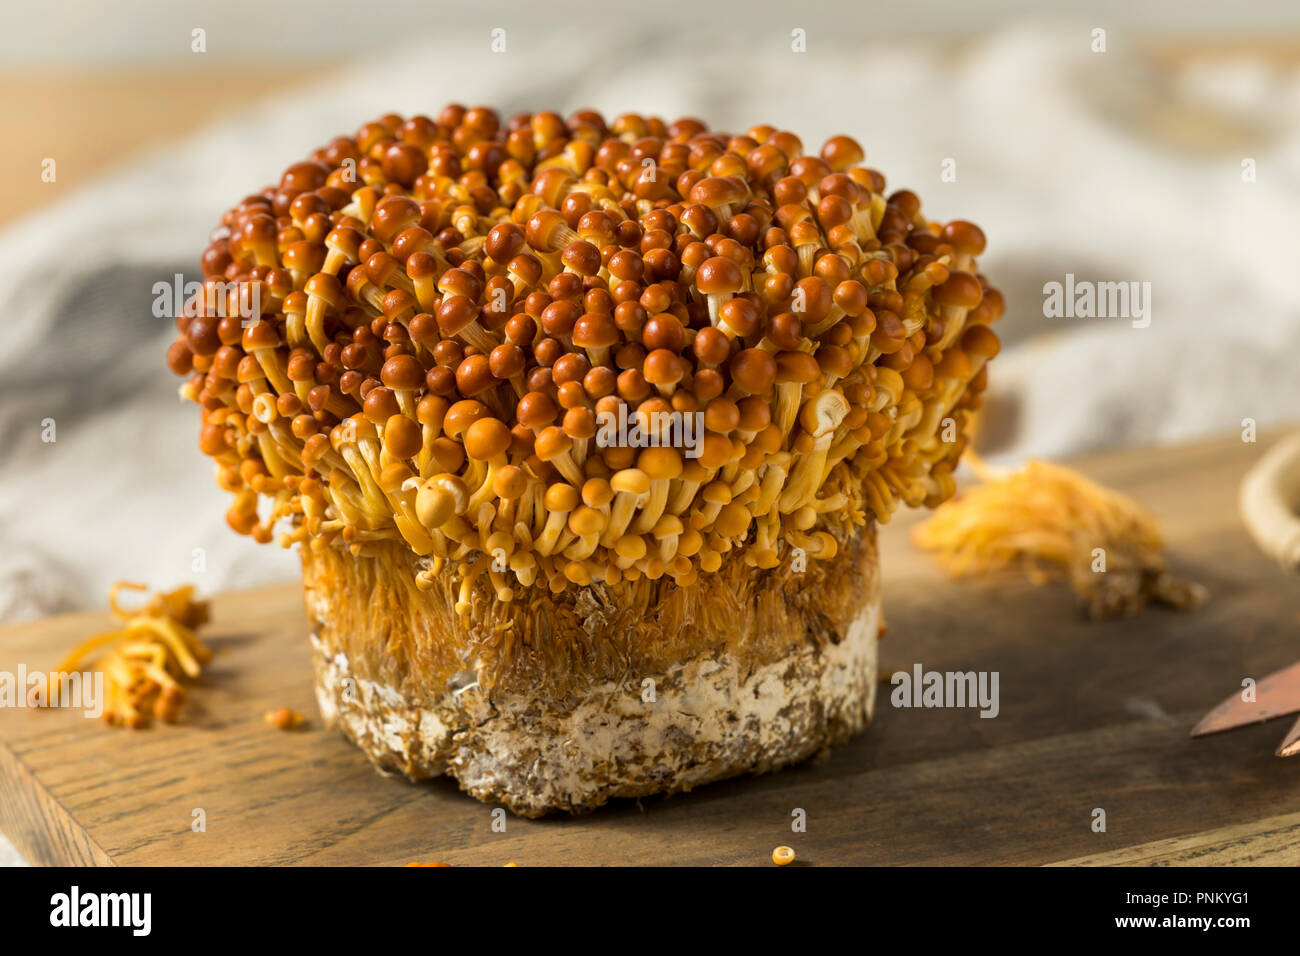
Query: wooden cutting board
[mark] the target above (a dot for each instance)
(1092, 716)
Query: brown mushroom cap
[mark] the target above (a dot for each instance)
(404, 372)
(797, 367)
(753, 370)
(595, 330)
(718, 275)
(962, 290)
(964, 237)
(461, 415)
(486, 438)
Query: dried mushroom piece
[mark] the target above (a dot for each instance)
(1054, 523)
(153, 652)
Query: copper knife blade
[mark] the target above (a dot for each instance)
(1290, 745)
(1276, 695)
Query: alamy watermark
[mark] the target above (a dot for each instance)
(1085, 299)
(220, 299)
(922, 688)
(84, 690)
(683, 430)
(133, 911)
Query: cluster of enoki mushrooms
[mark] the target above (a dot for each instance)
(446, 308)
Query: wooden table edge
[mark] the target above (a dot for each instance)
(29, 812)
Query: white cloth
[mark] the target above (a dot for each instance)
(1061, 180)
(8, 855)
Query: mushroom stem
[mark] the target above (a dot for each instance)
(273, 366)
(567, 467)
(682, 497)
(582, 548)
(716, 301)
(821, 416)
(474, 334)
(653, 508)
(771, 483)
(631, 487)
(789, 396)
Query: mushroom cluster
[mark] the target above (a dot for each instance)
(448, 309)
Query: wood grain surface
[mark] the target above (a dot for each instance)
(1092, 716)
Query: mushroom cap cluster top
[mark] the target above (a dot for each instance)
(560, 352)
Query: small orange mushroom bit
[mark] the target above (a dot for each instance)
(153, 650)
(455, 308)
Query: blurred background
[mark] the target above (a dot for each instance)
(1154, 142)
